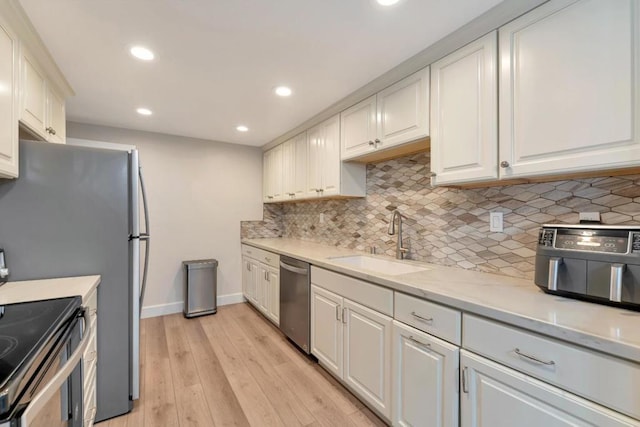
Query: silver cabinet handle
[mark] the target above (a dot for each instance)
(615, 283)
(431, 174)
(53, 131)
(423, 319)
(267, 259)
(534, 359)
(504, 164)
(344, 318)
(248, 267)
(338, 313)
(420, 343)
(465, 385)
(371, 143)
(269, 197)
(554, 265)
(377, 141)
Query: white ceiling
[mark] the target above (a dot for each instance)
(217, 61)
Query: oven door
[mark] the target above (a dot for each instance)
(57, 393)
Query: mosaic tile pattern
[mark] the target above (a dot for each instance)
(451, 226)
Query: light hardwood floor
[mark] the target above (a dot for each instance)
(233, 368)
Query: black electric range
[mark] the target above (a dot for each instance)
(31, 334)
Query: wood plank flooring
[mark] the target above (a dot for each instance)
(233, 369)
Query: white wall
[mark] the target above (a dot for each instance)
(198, 193)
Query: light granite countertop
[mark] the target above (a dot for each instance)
(510, 300)
(32, 290)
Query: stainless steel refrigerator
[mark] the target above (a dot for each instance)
(75, 211)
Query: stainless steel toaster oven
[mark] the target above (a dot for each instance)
(598, 263)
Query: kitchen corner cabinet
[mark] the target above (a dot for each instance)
(42, 107)
(261, 281)
(496, 396)
(394, 116)
(464, 114)
(425, 376)
(9, 58)
(327, 176)
(570, 88)
(352, 340)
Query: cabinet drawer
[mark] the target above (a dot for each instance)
(373, 296)
(607, 380)
(434, 319)
(265, 257)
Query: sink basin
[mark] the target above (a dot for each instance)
(378, 265)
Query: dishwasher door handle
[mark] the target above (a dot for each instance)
(293, 269)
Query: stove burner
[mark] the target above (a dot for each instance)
(7, 345)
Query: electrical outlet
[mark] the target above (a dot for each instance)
(321, 218)
(590, 216)
(496, 222)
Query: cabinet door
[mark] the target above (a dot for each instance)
(403, 110)
(33, 97)
(300, 166)
(358, 128)
(425, 379)
(56, 118)
(254, 282)
(8, 103)
(331, 157)
(267, 193)
(327, 329)
(276, 172)
(273, 279)
(367, 355)
(496, 396)
(246, 277)
(314, 161)
(569, 88)
(264, 293)
(288, 153)
(464, 114)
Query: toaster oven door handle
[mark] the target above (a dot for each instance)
(42, 398)
(615, 283)
(554, 265)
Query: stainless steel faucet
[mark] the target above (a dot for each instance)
(4, 271)
(400, 251)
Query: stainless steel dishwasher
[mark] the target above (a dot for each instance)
(295, 286)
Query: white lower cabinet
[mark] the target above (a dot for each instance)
(353, 342)
(497, 396)
(425, 377)
(327, 329)
(261, 281)
(367, 355)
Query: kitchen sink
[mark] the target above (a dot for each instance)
(378, 265)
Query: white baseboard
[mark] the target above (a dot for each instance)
(176, 307)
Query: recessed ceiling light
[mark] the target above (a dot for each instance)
(142, 52)
(387, 2)
(144, 111)
(283, 91)
(242, 128)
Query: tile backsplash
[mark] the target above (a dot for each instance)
(450, 226)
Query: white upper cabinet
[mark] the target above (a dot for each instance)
(464, 114)
(42, 107)
(569, 82)
(394, 116)
(272, 175)
(294, 167)
(8, 102)
(359, 128)
(327, 176)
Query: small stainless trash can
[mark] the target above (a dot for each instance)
(200, 287)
